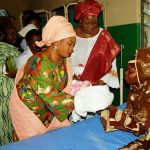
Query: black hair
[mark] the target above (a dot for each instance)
(31, 16)
(8, 26)
(26, 13)
(31, 33)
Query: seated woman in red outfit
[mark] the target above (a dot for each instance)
(40, 100)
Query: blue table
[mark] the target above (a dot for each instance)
(85, 135)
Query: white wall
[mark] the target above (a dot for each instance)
(118, 12)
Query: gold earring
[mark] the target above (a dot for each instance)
(55, 47)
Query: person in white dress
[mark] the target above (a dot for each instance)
(93, 61)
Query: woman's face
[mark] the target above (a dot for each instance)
(131, 74)
(10, 35)
(65, 46)
(88, 23)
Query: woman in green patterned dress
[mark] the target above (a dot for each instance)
(42, 87)
(8, 54)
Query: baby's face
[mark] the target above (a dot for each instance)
(131, 74)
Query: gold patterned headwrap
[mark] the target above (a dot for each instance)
(143, 64)
(57, 28)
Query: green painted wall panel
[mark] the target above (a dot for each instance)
(129, 36)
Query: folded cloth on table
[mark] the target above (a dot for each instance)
(91, 99)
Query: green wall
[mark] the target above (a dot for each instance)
(129, 36)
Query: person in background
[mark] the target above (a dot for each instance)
(40, 100)
(30, 20)
(89, 52)
(31, 17)
(10, 36)
(32, 36)
(8, 55)
(23, 33)
(25, 15)
(94, 58)
(5, 18)
(136, 117)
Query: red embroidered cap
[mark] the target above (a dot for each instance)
(90, 7)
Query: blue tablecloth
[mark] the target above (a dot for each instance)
(84, 135)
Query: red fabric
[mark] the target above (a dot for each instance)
(100, 60)
(91, 7)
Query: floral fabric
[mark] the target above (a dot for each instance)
(6, 85)
(41, 88)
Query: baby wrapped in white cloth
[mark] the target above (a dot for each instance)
(91, 99)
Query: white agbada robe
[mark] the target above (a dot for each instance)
(92, 98)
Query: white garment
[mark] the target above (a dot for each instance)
(81, 54)
(26, 29)
(91, 99)
(23, 44)
(23, 58)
